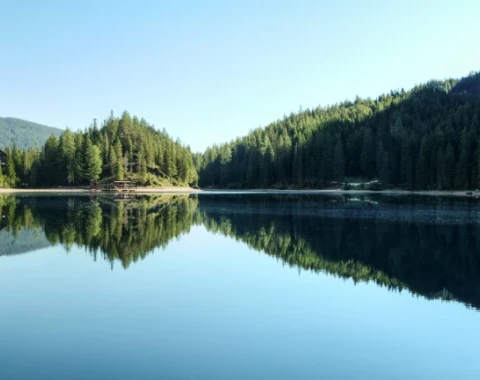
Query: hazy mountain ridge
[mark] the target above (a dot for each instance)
(23, 241)
(24, 133)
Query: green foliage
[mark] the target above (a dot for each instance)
(92, 161)
(123, 148)
(10, 173)
(426, 138)
(119, 160)
(423, 139)
(67, 150)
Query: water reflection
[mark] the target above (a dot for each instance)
(115, 228)
(429, 246)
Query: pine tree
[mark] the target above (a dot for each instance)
(478, 166)
(143, 170)
(112, 160)
(225, 161)
(449, 167)
(297, 166)
(339, 161)
(92, 161)
(79, 158)
(2, 178)
(11, 176)
(421, 171)
(461, 172)
(67, 154)
(27, 162)
(367, 156)
(51, 175)
(441, 170)
(17, 158)
(382, 163)
(119, 173)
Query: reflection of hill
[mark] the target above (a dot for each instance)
(392, 242)
(433, 260)
(24, 241)
(125, 231)
(19, 233)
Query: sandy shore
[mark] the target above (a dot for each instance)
(59, 190)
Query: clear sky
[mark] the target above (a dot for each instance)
(209, 71)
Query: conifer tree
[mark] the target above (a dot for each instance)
(339, 161)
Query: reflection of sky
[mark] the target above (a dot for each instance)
(207, 307)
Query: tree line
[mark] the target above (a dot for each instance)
(426, 138)
(124, 148)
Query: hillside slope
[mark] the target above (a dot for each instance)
(425, 138)
(468, 85)
(25, 133)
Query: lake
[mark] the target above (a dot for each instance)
(239, 286)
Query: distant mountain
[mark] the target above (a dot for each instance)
(24, 133)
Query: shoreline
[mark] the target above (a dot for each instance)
(189, 190)
(456, 193)
(138, 190)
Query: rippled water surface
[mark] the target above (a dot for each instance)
(239, 286)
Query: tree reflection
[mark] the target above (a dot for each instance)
(363, 242)
(125, 230)
(429, 248)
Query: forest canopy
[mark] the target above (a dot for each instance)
(122, 148)
(427, 138)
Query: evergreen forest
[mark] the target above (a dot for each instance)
(427, 138)
(125, 148)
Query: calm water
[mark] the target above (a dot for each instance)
(239, 287)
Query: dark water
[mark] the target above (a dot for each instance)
(239, 286)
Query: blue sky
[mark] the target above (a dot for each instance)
(210, 71)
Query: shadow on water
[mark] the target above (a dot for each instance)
(428, 246)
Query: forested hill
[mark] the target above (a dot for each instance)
(24, 133)
(468, 85)
(125, 148)
(425, 138)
